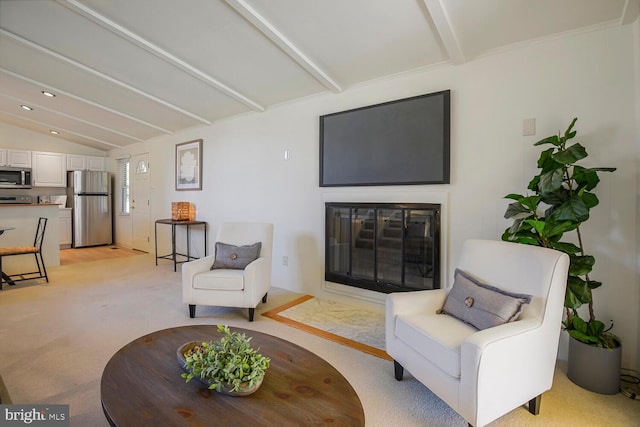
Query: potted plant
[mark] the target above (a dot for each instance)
(229, 365)
(560, 200)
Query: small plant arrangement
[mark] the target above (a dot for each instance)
(560, 203)
(230, 363)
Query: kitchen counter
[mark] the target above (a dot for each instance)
(9, 205)
(24, 218)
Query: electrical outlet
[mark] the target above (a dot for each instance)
(285, 261)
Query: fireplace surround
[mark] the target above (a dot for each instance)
(383, 247)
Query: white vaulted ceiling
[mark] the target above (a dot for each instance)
(124, 71)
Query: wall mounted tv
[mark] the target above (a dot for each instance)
(400, 142)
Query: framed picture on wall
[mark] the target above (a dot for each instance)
(189, 165)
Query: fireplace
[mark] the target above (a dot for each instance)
(383, 247)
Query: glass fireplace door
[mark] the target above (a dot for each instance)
(383, 247)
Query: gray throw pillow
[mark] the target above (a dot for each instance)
(235, 257)
(480, 305)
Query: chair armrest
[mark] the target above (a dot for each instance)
(191, 268)
(258, 277)
(507, 365)
(408, 303)
(415, 302)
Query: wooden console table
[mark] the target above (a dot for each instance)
(174, 253)
(141, 386)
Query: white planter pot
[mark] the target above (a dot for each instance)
(595, 369)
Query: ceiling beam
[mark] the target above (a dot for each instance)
(630, 12)
(272, 33)
(141, 42)
(74, 118)
(445, 30)
(103, 76)
(84, 100)
(58, 128)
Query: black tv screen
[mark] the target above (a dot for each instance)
(395, 143)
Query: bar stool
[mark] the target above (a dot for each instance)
(36, 250)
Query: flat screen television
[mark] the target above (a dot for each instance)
(400, 142)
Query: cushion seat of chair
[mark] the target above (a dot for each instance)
(437, 337)
(17, 250)
(220, 279)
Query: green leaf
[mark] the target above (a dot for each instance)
(549, 140)
(546, 162)
(593, 284)
(517, 210)
(595, 328)
(568, 134)
(557, 229)
(530, 202)
(568, 248)
(587, 339)
(536, 224)
(577, 292)
(579, 324)
(513, 196)
(574, 210)
(581, 264)
(590, 200)
(551, 181)
(570, 155)
(585, 178)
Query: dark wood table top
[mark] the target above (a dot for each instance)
(179, 221)
(141, 386)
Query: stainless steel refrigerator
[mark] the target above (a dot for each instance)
(89, 193)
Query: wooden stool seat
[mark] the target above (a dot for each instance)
(18, 250)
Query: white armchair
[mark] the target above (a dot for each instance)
(230, 287)
(484, 374)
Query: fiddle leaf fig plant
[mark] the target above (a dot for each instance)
(560, 201)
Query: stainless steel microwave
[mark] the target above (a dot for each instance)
(11, 177)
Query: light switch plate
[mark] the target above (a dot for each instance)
(528, 127)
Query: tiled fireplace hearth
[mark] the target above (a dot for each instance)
(383, 247)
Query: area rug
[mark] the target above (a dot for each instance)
(353, 326)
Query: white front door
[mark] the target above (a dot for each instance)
(140, 202)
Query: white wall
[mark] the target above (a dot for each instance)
(588, 76)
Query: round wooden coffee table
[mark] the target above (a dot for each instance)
(141, 386)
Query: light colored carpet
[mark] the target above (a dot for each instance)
(56, 338)
(353, 326)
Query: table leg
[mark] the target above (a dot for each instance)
(188, 244)
(173, 245)
(156, 241)
(7, 279)
(205, 239)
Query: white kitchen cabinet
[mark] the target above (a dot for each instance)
(95, 163)
(49, 169)
(78, 162)
(15, 158)
(64, 227)
(19, 158)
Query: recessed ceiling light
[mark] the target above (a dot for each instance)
(54, 132)
(49, 94)
(26, 107)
